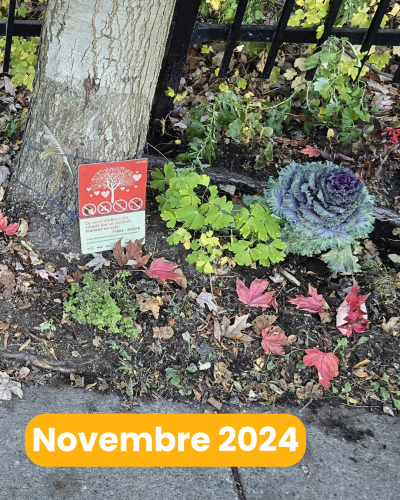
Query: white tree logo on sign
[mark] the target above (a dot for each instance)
(111, 179)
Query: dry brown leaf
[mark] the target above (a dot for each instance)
(221, 373)
(149, 304)
(90, 385)
(97, 341)
(162, 332)
(4, 326)
(262, 322)
(392, 326)
(235, 331)
(362, 363)
(258, 364)
(79, 381)
(197, 394)
(8, 386)
(77, 275)
(23, 228)
(371, 248)
(131, 255)
(326, 317)
(360, 373)
(306, 391)
(215, 403)
(292, 339)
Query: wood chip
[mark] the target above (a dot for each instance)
(215, 403)
(290, 277)
(162, 332)
(24, 345)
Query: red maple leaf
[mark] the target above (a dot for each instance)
(273, 340)
(310, 151)
(254, 297)
(312, 304)
(8, 229)
(162, 269)
(326, 363)
(352, 316)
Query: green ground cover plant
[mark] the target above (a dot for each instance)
(103, 304)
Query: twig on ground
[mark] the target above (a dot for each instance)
(41, 362)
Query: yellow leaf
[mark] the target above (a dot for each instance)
(331, 133)
(208, 268)
(395, 10)
(320, 31)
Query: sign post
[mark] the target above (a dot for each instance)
(112, 202)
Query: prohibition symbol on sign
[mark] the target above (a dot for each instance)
(120, 205)
(89, 209)
(135, 203)
(104, 207)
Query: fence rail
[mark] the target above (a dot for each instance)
(186, 31)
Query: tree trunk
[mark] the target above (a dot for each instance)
(97, 71)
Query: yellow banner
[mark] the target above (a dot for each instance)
(165, 440)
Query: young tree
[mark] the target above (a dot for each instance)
(97, 71)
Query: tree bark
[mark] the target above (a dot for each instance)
(97, 71)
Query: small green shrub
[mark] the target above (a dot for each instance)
(106, 306)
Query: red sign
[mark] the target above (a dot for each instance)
(112, 202)
(112, 188)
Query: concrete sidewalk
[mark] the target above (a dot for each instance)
(351, 453)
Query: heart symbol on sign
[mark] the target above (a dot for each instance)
(137, 176)
(127, 190)
(105, 194)
(91, 195)
(97, 193)
(89, 189)
(122, 189)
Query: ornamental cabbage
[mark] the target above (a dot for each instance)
(325, 207)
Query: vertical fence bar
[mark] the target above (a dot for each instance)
(233, 37)
(372, 30)
(278, 37)
(333, 12)
(185, 20)
(396, 78)
(9, 35)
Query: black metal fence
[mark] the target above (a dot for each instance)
(186, 31)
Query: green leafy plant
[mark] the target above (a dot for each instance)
(211, 226)
(104, 305)
(23, 61)
(334, 97)
(224, 10)
(48, 325)
(242, 118)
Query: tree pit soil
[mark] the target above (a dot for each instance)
(227, 371)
